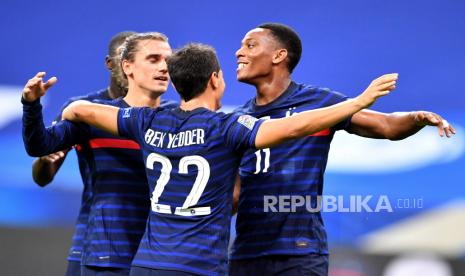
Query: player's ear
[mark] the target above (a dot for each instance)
(108, 62)
(279, 56)
(127, 67)
(214, 80)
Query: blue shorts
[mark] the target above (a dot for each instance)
(87, 270)
(282, 265)
(143, 271)
(73, 269)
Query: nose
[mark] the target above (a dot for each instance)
(239, 53)
(163, 67)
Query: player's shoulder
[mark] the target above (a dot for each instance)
(302, 88)
(118, 102)
(307, 91)
(227, 119)
(168, 104)
(94, 96)
(101, 95)
(221, 116)
(202, 116)
(247, 107)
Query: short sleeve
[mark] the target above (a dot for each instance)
(335, 98)
(59, 115)
(240, 131)
(132, 122)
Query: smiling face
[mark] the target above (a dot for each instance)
(148, 71)
(255, 57)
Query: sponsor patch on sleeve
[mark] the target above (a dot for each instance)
(247, 121)
(127, 112)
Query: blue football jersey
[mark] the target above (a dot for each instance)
(115, 201)
(293, 168)
(191, 160)
(75, 251)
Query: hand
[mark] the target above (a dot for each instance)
(378, 88)
(425, 118)
(53, 157)
(36, 88)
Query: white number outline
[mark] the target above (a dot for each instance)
(259, 160)
(258, 154)
(198, 188)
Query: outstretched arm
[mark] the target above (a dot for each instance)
(273, 132)
(102, 116)
(397, 125)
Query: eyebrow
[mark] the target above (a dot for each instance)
(247, 40)
(155, 56)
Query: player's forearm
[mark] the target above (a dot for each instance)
(45, 168)
(312, 121)
(34, 133)
(401, 125)
(273, 132)
(378, 125)
(97, 115)
(42, 173)
(38, 140)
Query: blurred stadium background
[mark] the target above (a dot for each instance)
(346, 44)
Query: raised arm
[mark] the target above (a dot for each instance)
(102, 116)
(39, 140)
(397, 125)
(273, 132)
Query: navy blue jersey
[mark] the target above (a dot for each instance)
(191, 158)
(86, 175)
(75, 251)
(116, 196)
(292, 168)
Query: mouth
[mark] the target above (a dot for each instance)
(241, 65)
(161, 78)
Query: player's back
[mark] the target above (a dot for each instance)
(191, 161)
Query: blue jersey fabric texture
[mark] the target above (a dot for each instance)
(74, 254)
(292, 168)
(115, 199)
(192, 159)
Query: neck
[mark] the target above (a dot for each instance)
(114, 90)
(200, 101)
(270, 89)
(138, 97)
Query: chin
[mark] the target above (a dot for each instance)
(244, 79)
(241, 77)
(159, 90)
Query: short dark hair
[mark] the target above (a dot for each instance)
(116, 42)
(129, 47)
(190, 69)
(289, 39)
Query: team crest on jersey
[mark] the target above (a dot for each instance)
(247, 121)
(127, 112)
